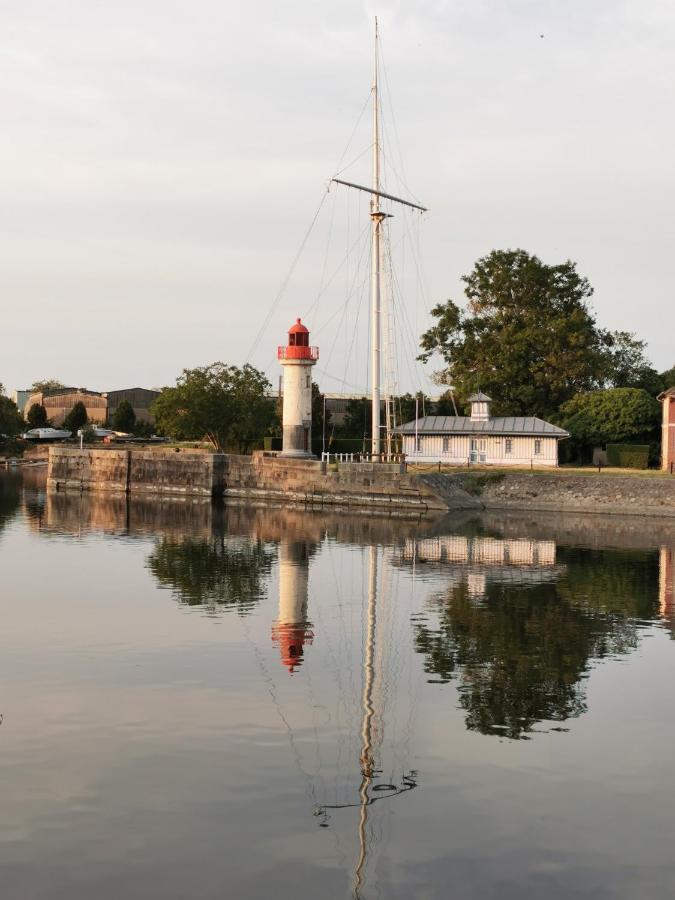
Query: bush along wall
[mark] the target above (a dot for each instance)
(628, 456)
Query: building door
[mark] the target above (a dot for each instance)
(478, 453)
(306, 431)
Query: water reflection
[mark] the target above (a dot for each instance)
(10, 497)
(521, 621)
(292, 630)
(514, 617)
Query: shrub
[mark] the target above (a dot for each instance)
(628, 456)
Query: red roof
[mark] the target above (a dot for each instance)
(298, 328)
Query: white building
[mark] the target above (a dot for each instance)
(482, 438)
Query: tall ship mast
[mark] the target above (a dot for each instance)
(377, 217)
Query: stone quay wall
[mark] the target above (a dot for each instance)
(159, 472)
(381, 485)
(593, 493)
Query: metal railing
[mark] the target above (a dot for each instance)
(298, 352)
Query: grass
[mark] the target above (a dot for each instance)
(561, 471)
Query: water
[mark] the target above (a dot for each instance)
(205, 702)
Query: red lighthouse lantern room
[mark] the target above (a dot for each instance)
(298, 344)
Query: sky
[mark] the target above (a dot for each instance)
(161, 163)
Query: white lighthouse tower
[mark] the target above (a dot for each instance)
(297, 358)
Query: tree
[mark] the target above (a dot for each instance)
(37, 416)
(357, 422)
(667, 379)
(408, 406)
(618, 415)
(225, 404)
(124, 417)
(628, 365)
(47, 384)
(318, 409)
(10, 418)
(77, 417)
(528, 336)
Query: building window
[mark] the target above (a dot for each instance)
(446, 445)
(537, 447)
(308, 382)
(508, 445)
(418, 444)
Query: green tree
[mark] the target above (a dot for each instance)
(445, 406)
(124, 417)
(408, 405)
(618, 415)
(318, 409)
(667, 379)
(10, 418)
(528, 336)
(357, 422)
(77, 417)
(47, 384)
(37, 416)
(225, 404)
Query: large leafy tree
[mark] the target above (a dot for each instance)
(227, 405)
(618, 415)
(528, 336)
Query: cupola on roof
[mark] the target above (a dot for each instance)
(480, 397)
(298, 328)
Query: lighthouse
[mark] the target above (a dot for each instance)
(297, 358)
(292, 631)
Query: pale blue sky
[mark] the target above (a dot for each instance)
(162, 161)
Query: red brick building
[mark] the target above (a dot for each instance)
(667, 399)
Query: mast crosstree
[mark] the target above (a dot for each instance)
(377, 217)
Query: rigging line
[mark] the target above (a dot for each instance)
(354, 289)
(413, 372)
(288, 277)
(351, 136)
(330, 234)
(397, 142)
(310, 787)
(354, 333)
(366, 227)
(408, 335)
(344, 308)
(355, 160)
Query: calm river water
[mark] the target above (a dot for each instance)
(202, 702)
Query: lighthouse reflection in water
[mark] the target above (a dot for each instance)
(291, 632)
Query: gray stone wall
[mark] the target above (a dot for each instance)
(183, 473)
(593, 493)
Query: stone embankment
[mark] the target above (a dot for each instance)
(185, 473)
(593, 493)
(381, 485)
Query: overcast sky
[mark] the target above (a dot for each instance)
(161, 162)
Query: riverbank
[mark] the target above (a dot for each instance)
(588, 493)
(267, 477)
